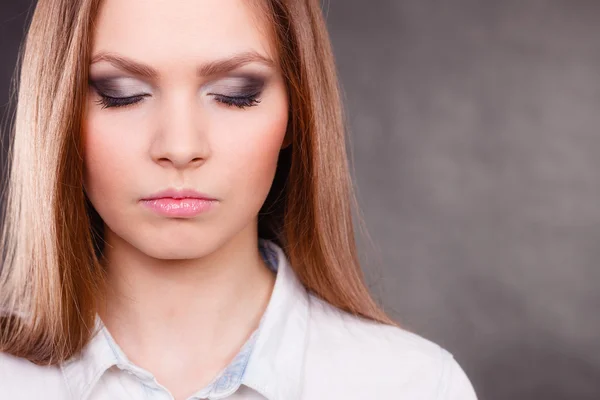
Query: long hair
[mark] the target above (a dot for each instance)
(51, 278)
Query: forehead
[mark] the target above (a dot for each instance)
(173, 32)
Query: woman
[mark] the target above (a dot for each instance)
(178, 221)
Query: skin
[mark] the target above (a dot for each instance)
(185, 293)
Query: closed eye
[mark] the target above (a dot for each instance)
(111, 102)
(238, 101)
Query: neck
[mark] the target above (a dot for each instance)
(188, 308)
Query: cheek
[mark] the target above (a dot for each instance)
(254, 158)
(250, 154)
(108, 153)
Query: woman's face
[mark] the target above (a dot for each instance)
(183, 95)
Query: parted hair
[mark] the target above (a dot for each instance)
(51, 277)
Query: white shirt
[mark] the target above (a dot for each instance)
(304, 349)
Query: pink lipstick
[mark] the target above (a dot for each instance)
(185, 203)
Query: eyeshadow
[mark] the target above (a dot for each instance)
(118, 86)
(240, 85)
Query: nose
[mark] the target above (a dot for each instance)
(181, 134)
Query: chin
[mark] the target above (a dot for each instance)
(182, 242)
(176, 251)
(181, 246)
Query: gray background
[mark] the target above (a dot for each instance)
(476, 159)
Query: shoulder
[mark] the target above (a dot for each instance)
(22, 379)
(355, 355)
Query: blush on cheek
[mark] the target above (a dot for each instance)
(253, 158)
(110, 164)
(269, 140)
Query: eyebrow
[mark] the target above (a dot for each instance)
(214, 67)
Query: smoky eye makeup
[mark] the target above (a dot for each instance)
(241, 91)
(118, 91)
(238, 90)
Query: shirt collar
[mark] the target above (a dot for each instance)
(277, 361)
(271, 361)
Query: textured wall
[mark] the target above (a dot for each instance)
(477, 163)
(477, 159)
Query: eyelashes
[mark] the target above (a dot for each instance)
(242, 102)
(239, 101)
(247, 96)
(248, 91)
(109, 102)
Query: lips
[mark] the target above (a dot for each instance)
(186, 203)
(179, 194)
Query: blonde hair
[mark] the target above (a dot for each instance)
(51, 279)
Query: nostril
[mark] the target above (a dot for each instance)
(180, 161)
